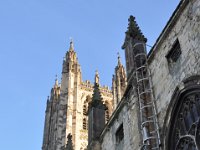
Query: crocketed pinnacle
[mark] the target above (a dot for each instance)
(96, 97)
(133, 32)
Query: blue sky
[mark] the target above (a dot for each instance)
(34, 37)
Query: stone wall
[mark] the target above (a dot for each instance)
(126, 114)
(166, 77)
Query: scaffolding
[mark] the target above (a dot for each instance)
(148, 115)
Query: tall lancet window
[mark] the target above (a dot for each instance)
(85, 113)
(85, 124)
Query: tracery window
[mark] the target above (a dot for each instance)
(185, 124)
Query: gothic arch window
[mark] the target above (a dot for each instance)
(85, 111)
(84, 123)
(184, 131)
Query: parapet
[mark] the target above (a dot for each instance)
(88, 86)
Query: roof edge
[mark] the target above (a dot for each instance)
(171, 22)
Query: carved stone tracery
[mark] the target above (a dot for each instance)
(185, 124)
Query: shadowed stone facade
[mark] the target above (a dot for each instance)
(156, 107)
(171, 81)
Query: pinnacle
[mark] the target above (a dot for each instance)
(96, 93)
(134, 30)
(71, 48)
(119, 61)
(56, 81)
(96, 79)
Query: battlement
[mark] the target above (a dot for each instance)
(88, 86)
(105, 90)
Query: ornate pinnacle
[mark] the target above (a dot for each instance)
(134, 30)
(96, 93)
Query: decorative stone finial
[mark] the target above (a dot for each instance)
(119, 61)
(56, 80)
(71, 48)
(96, 77)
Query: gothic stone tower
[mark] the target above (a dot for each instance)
(118, 83)
(67, 107)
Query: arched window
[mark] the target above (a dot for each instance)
(85, 111)
(84, 123)
(184, 132)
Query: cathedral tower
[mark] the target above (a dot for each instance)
(67, 107)
(71, 79)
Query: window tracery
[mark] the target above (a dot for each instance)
(185, 125)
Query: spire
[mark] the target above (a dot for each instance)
(96, 79)
(71, 48)
(119, 61)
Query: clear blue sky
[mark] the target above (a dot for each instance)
(34, 36)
